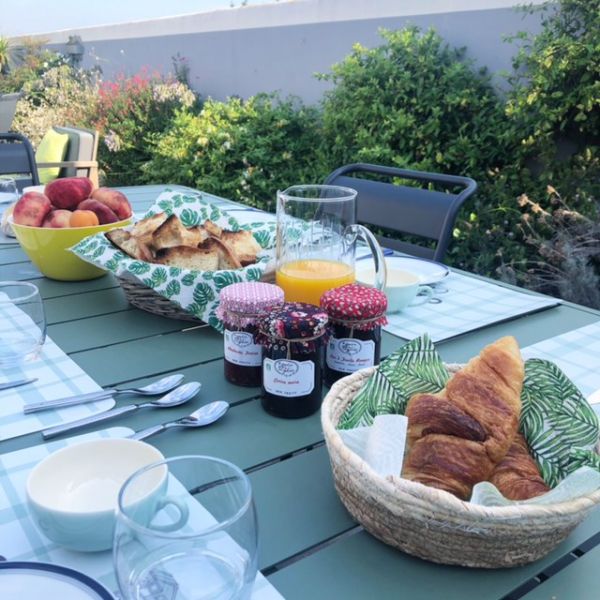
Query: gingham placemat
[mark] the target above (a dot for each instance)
(58, 377)
(21, 540)
(468, 304)
(576, 353)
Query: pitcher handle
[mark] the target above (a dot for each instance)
(380, 266)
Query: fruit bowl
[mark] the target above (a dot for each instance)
(48, 249)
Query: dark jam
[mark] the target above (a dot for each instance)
(285, 379)
(243, 358)
(350, 349)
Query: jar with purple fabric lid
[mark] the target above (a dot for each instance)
(241, 306)
(294, 338)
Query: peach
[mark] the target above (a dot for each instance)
(104, 214)
(83, 218)
(58, 218)
(68, 192)
(115, 200)
(31, 209)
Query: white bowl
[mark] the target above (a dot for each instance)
(72, 494)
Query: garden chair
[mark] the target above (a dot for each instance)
(17, 158)
(68, 152)
(414, 211)
(8, 106)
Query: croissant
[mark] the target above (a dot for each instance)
(517, 475)
(457, 436)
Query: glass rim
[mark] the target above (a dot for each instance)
(345, 193)
(8, 178)
(34, 290)
(121, 514)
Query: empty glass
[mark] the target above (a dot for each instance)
(186, 529)
(8, 190)
(22, 322)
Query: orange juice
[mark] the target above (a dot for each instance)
(306, 280)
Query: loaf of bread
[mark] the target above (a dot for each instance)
(517, 475)
(457, 436)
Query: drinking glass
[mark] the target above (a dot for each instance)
(22, 322)
(196, 541)
(8, 190)
(316, 241)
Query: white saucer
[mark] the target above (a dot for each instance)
(33, 580)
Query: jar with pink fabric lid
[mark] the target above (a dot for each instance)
(241, 306)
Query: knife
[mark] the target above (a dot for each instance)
(12, 384)
(68, 401)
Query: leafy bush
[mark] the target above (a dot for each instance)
(413, 102)
(131, 114)
(243, 150)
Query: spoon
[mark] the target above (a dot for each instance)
(205, 415)
(155, 388)
(174, 398)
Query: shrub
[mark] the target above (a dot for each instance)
(413, 102)
(243, 150)
(131, 114)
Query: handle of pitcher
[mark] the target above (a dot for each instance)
(376, 251)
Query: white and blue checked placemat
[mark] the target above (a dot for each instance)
(469, 304)
(576, 353)
(21, 540)
(58, 377)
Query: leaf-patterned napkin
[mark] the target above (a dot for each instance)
(196, 292)
(559, 425)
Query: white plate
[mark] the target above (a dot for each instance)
(428, 271)
(32, 581)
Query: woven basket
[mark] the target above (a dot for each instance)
(145, 298)
(433, 524)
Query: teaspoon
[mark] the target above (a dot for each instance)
(205, 415)
(152, 389)
(174, 398)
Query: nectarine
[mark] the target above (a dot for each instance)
(31, 209)
(115, 200)
(68, 192)
(104, 214)
(58, 218)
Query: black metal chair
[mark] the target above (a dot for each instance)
(413, 211)
(17, 158)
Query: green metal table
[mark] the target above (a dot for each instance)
(310, 546)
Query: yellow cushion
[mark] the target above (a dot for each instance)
(52, 148)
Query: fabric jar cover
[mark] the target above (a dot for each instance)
(358, 306)
(242, 304)
(297, 325)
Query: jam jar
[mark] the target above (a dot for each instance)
(356, 314)
(293, 337)
(241, 305)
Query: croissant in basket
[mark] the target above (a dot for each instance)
(457, 436)
(165, 240)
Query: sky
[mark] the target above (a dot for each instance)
(23, 17)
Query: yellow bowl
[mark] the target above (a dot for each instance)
(48, 249)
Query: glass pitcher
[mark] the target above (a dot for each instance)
(316, 241)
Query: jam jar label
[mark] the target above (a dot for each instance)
(349, 354)
(241, 350)
(288, 378)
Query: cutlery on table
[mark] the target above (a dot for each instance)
(207, 414)
(155, 388)
(13, 384)
(174, 398)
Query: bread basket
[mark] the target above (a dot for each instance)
(433, 524)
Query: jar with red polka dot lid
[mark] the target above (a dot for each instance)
(356, 313)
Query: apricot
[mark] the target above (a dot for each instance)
(31, 209)
(115, 200)
(68, 192)
(83, 218)
(58, 218)
(104, 214)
